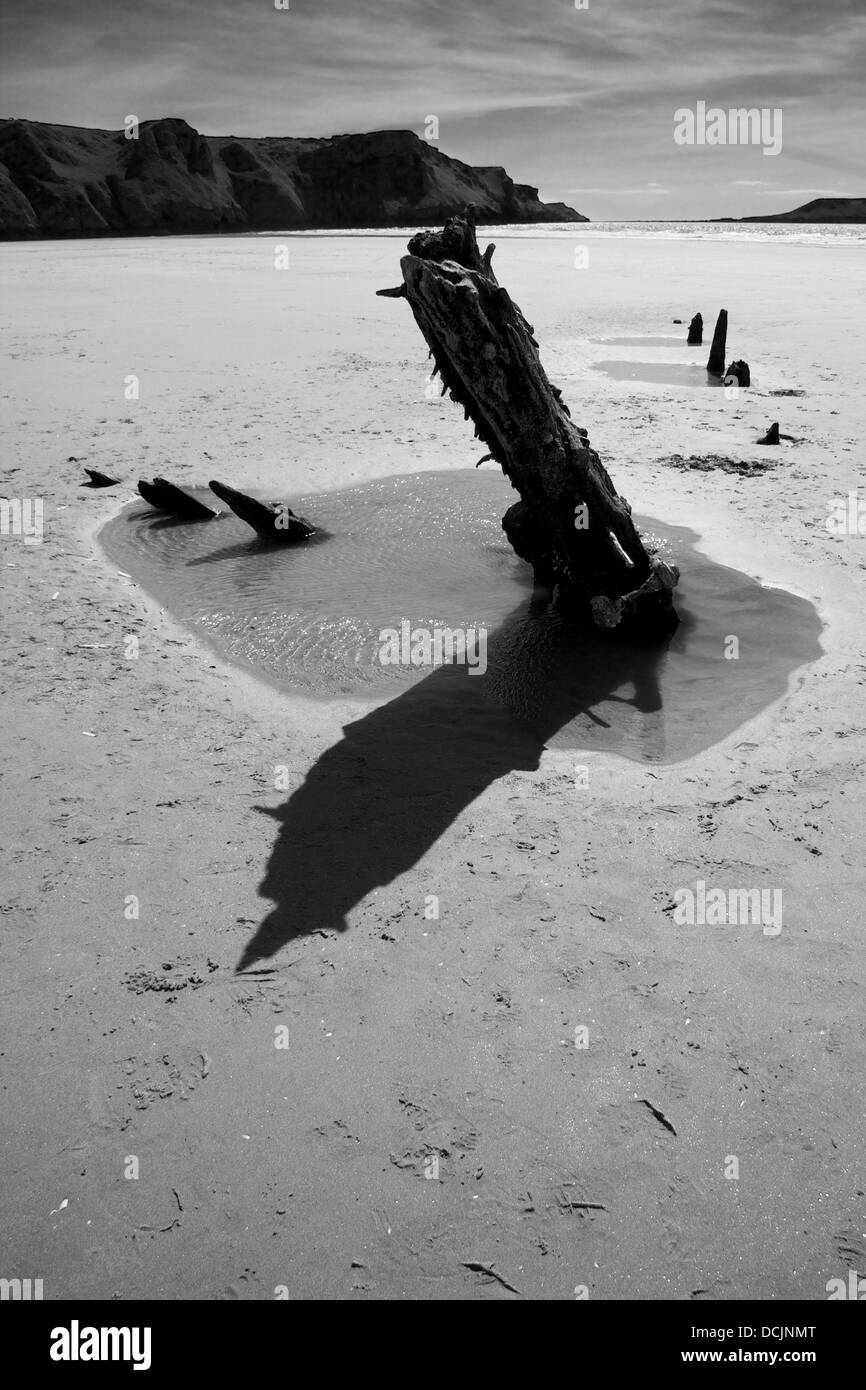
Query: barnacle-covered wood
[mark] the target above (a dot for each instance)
(570, 523)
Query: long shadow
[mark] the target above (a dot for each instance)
(372, 806)
(166, 521)
(256, 545)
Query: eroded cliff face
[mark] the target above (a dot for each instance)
(60, 181)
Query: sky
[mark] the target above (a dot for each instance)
(580, 102)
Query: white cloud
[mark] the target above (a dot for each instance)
(550, 92)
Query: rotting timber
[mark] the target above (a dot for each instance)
(570, 524)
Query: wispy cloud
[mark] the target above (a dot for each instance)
(822, 192)
(648, 191)
(561, 97)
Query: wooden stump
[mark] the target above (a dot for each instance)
(570, 523)
(168, 498)
(772, 436)
(97, 479)
(274, 522)
(739, 372)
(716, 359)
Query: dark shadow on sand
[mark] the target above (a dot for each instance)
(256, 545)
(372, 806)
(167, 521)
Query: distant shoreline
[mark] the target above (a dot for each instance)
(399, 230)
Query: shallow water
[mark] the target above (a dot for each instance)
(645, 341)
(665, 373)
(428, 548)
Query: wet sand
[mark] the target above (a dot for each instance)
(409, 1036)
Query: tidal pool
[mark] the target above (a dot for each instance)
(428, 549)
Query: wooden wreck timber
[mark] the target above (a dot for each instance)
(738, 373)
(272, 521)
(570, 524)
(97, 479)
(168, 498)
(716, 359)
(773, 436)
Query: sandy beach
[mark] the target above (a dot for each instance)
(539, 1091)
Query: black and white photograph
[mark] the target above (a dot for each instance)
(433, 560)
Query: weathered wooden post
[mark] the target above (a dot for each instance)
(739, 372)
(570, 523)
(273, 521)
(716, 359)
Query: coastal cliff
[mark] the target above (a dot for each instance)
(67, 181)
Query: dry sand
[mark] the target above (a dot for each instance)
(302, 1168)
